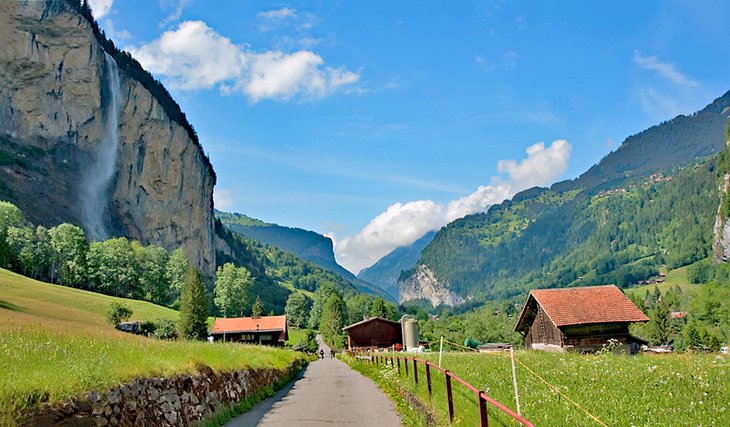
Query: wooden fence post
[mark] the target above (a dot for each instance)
(415, 370)
(406, 363)
(398, 359)
(428, 377)
(483, 422)
(449, 396)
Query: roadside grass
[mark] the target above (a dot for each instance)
(409, 415)
(55, 344)
(645, 390)
(296, 336)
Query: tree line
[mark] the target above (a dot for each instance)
(63, 255)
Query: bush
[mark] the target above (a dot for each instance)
(118, 312)
(165, 330)
(147, 328)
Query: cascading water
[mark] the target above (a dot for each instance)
(103, 166)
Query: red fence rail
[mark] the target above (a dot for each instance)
(482, 397)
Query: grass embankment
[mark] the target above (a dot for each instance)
(56, 344)
(645, 390)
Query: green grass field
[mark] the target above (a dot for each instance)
(55, 344)
(643, 390)
(676, 277)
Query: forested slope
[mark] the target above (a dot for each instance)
(301, 244)
(649, 205)
(555, 240)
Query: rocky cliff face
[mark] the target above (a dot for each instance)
(721, 231)
(387, 270)
(54, 111)
(422, 284)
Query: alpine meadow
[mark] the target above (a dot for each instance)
(418, 214)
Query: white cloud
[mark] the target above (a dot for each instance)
(100, 7)
(539, 166)
(196, 57)
(666, 70)
(404, 223)
(223, 199)
(278, 14)
(113, 34)
(277, 75)
(178, 6)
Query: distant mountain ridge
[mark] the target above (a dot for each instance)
(304, 244)
(648, 204)
(384, 273)
(660, 148)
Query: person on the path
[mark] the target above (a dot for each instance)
(332, 354)
(321, 353)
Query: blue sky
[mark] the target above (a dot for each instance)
(375, 122)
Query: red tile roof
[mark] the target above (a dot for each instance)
(584, 305)
(251, 324)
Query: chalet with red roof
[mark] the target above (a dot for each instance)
(581, 319)
(268, 330)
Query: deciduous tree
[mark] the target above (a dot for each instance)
(232, 286)
(297, 310)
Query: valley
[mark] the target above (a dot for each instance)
(117, 214)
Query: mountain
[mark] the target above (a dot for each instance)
(384, 273)
(660, 148)
(304, 244)
(648, 206)
(89, 137)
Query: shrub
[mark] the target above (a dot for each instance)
(147, 328)
(118, 312)
(165, 330)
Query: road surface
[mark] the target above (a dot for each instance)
(328, 393)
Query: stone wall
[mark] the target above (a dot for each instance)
(177, 401)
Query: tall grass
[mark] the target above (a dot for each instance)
(645, 390)
(55, 344)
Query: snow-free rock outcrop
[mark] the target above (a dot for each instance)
(55, 99)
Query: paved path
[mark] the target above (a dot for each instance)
(328, 393)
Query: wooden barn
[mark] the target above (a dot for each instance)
(374, 332)
(268, 330)
(580, 319)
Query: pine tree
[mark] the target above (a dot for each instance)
(659, 324)
(193, 307)
(378, 309)
(258, 307)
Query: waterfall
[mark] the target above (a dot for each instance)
(95, 186)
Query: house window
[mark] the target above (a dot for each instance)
(265, 337)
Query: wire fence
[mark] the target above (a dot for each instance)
(412, 364)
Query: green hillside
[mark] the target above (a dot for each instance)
(279, 272)
(308, 246)
(649, 205)
(56, 344)
(660, 148)
(561, 239)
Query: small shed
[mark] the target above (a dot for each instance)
(268, 330)
(373, 332)
(581, 319)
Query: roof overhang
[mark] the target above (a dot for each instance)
(362, 322)
(246, 331)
